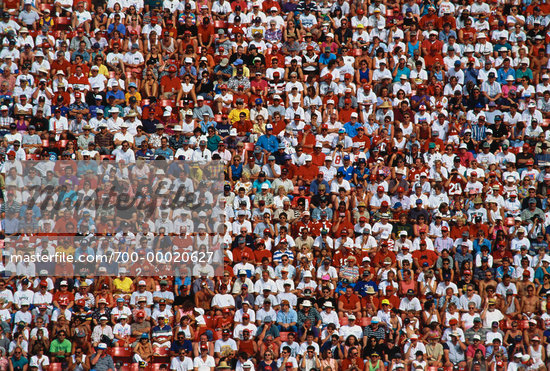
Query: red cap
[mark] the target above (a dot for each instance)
(380, 189)
(384, 203)
(328, 76)
(347, 76)
(154, 19)
(79, 29)
(444, 228)
(77, 95)
(133, 32)
(172, 69)
(289, 364)
(347, 100)
(140, 314)
(309, 47)
(400, 189)
(360, 11)
(43, 283)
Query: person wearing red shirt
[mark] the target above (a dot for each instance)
(344, 114)
(432, 49)
(391, 297)
(380, 257)
(307, 139)
(243, 126)
(241, 250)
(261, 253)
(79, 79)
(308, 171)
(349, 302)
(431, 17)
(424, 256)
(60, 64)
(170, 84)
(341, 225)
(63, 296)
(318, 157)
(268, 4)
(354, 360)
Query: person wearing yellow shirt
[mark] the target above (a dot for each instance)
(123, 285)
(235, 113)
(132, 92)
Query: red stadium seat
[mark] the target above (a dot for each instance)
(44, 6)
(56, 367)
(365, 321)
(167, 102)
(107, 157)
(220, 24)
(121, 354)
(162, 355)
(129, 367)
(249, 146)
(45, 143)
(63, 23)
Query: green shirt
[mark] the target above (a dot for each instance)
(57, 346)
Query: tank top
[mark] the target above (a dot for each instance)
(412, 47)
(424, 133)
(364, 75)
(535, 354)
(373, 368)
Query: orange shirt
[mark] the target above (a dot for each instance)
(350, 302)
(170, 84)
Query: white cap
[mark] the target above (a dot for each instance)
(307, 274)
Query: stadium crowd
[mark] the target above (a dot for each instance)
(386, 183)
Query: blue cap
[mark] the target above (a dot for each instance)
(258, 101)
(479, 105)
(418, 202)
(397, 204)
(346, 157)
(238, 62)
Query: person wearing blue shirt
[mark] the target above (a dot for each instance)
(314, 186)
(268, 142)
(505, 71)
(347, 169)
(287, 318)
(116, 25)
(351, 126)
(117, 94)
(327, 56)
